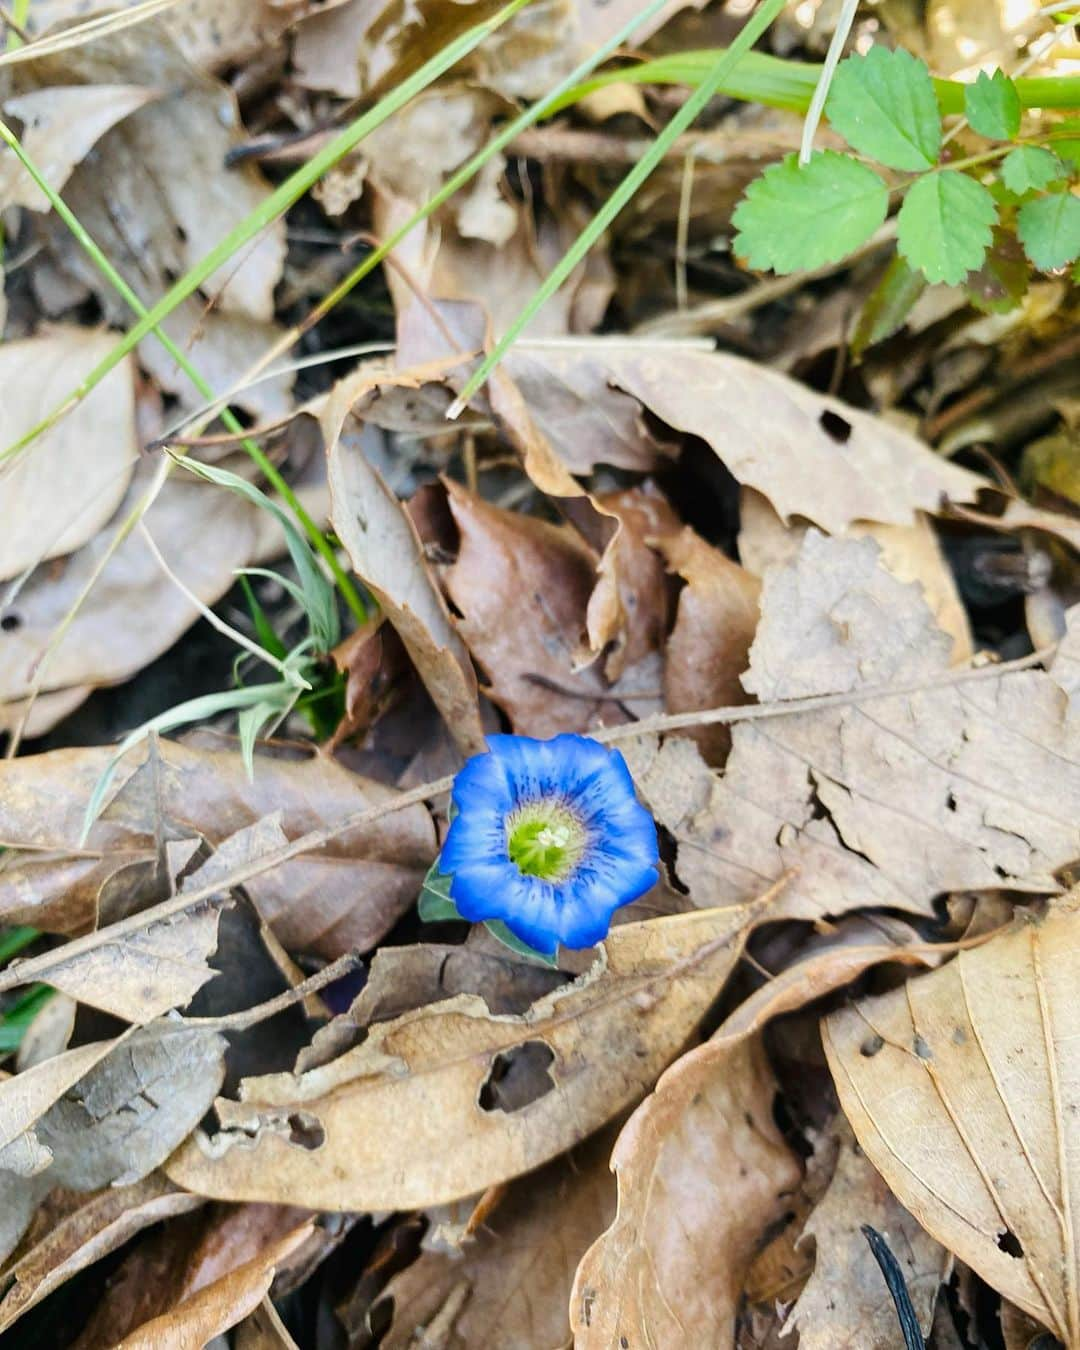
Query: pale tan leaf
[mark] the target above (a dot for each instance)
(218, 1306)
(103, 1223)
(369, 1130)
(71, 480)
(263, 1329)
(27, 1096)
(846, 1300)
(703, 1172)
(886, 802)
(387, 555)
(60, 126)
(962, 1089)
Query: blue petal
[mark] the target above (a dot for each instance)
(532, 912)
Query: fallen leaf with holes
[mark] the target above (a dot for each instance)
(702, 1172)
(385, 551)
(134, 611)
(153, 224)
(888, 802)
(100, 1225)
(846, 1300)
(69, 482)
(522, 586)
(510, 1287)
(346, 895)
(212, 1310)
(709, 646)
(962, 1090)
(368, 1131)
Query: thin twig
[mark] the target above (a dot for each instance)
(37, 967)
(248, 1017)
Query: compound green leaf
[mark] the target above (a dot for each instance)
(992, 106)
(795, 218)
(945, 225)
(884, 106)
(888, 305)
(1049, 229)
(1029, 167)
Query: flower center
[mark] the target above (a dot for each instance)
(545, 840)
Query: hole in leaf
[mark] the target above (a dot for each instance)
(518, 1077)
(839, 428)
(921, 1047)
(950, 801)
(10, 623)
(1010, 1243)
(871, 1046)
(306, 1130)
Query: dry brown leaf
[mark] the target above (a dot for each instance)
(102, 1224)
(60, 126)
(386, 553)
(369, 1130)
(510, 1287)
(703, 1172)
(218, 1306)
(962, 1090)
(347, 895)
(522, 587)
(134, 611)
(1065, 666)
(157, 199)
(70, 481)
(846, 1300)
(910, 552)
(710, 644)
(811, 455)
(263, 1330)
(888, 802)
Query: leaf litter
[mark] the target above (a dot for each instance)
(810, 564)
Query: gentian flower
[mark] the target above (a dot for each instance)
(549, 838)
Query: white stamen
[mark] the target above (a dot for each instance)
(554, 836)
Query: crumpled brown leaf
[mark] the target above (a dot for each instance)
(369, 1130)
(703, 1172)
(846, 1300)
(510, 1287)
(68, 483)
(349, 894)
(888, 802)
(962, 1090)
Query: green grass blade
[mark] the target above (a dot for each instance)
(14, 940)
(758, 22)
(278, 202)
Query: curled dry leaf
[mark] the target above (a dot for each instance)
(347, 895)
(387, 555)
(510, 1287)
(962, 1090)
(702, 1172)
(103, 1223)
(216, 1307)
(70, 481)
(369, 1130)
(709, 646)
(522, 587)
(886, 802)
(846, 1301)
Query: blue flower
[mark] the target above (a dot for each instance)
(548, 837)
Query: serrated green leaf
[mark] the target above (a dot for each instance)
(945, 225)
(1029, 167)
(1049, 229)
(992, 106)
(501, 933)
(884, 106)
(888, 305)
(435, 905)
(794, 218)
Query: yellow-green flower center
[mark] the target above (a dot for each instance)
(544, 840)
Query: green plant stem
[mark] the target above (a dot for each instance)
(786, 84)
(275, 205)
(754, 27)
(90, 247)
